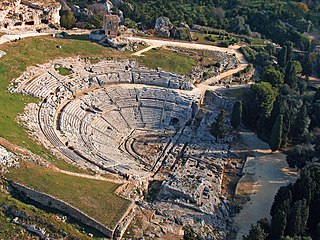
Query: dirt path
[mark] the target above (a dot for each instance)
(8, 38)
(270, 173)
(11, 37)
(12, 147)
(201, 87)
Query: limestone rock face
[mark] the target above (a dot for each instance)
(163, 27)
(27, 13)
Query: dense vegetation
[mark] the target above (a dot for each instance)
(282, 108)
(276, 20)
(295, 211)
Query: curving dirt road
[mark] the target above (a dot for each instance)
(8, 38)
(205, 85)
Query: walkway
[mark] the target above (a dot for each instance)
(8, 38)
(270, 173)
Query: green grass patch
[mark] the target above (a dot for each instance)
(28, 52)
(93, 197)
(49, 221)
(64, 71)
(168, 60)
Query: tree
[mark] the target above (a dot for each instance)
(258, 103)
(289, 51)
(130, 23)
(315, 114)
(279, 204)
(282, 58)
(291, 76)
(217, 129)
(276, 134)
(300, 124)
(272, 76)
(256, 233)
(278, 225)
(299, 155)
(307, 65)
(67, 19)
(297, 221)
(236, 114)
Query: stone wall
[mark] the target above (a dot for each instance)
(213, 101)
(247, 178)
(52, 202)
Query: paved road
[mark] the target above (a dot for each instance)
(271, 172)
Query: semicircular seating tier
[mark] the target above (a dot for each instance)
(90, 114)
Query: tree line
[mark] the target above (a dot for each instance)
(279, 21)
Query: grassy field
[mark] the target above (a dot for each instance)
(49, 221)
(22, 54)
(96, 198)
(168, 61)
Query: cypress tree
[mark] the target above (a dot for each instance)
(307, 65)
(297, 221)
(300, 124)
(282, 58)
(289, 51)
(278, 225)
(236, 117)
(291, 76)
(256, 233)
(276, 134)
(217, 129)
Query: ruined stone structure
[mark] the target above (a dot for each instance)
(118, 117)
(25, 13)
(52, 202)
(111, 25)
(213, 100)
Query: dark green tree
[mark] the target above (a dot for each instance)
(278, 225)
(67, 19)
(272, 76)
(289, 51)
(258, 103)
(300, 124)
(282, 57)
(297, 221)
(218, 129)
(291, 75)
(282, 200)
(299, 155)
(307, 65)
(315, 114)
(256, 233)
(276, 134)
(236, 114)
